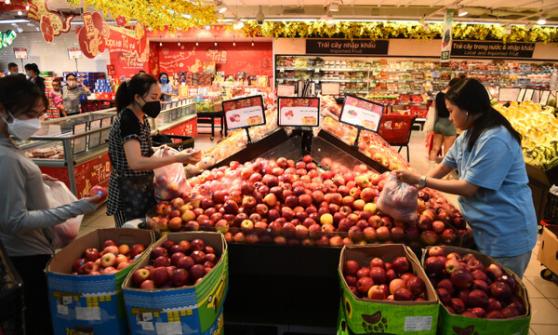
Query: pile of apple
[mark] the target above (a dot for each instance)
(469, 288)
(286, 202)
(380, 280)
(113, 258)
(176, 264)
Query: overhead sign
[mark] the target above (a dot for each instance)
(346, 47)
(298, 112)
(74, 53)
(446, 36)
(362, 113)
(491, 49)
(244, 112)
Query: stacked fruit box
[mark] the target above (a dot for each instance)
(478, 295)
(85, 278)
(181, 287)
(385, 291)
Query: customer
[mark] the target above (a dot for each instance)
(72, 93)
(444, 130)
(33, 74)
(493, 184)
(166, 87)
(55, 99)
(131, 192)
(13, 69)
(25, 218)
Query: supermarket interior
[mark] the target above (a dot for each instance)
(287, 168)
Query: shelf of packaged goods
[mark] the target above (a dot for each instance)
(344, 70)
(342, 80)
(286, 68)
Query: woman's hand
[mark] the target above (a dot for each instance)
(191, 156)
(407, 177)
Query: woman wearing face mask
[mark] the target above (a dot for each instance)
(493, 184)
(33, 73)
(131, 181)
(25, 218)
(71, 94)
(55, 99)
(166, 87)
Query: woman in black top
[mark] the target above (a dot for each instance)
(444, 130)
(33, 73)
(131, 181)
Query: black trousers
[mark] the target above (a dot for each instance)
(37, 309)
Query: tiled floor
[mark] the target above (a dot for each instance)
(543, 294)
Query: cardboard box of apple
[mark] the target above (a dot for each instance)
(111, 259)
(477, 292)
(384, 289)
(300, 203)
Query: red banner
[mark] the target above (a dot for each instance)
(51, 23)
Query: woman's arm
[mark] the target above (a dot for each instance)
(440, 171)
(459, 187)
(138, 162)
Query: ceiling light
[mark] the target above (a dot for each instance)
(19, 13)
(197, 44)
(27, 7)
(160, 44)
(8, 2)
(541, 21)
(252, 43)
(208, 27)
(179, 44)
(221, 8)
(333, 7)
(19, 30)
(215, 44)
(234, 44)
(238, 25)
(462, 12)
(260, 17)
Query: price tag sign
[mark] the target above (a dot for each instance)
(79, 142)
(286, 90)
(521, 95)
(298, 112)
(20, 53)
(94, 138)
(508, 94)
(74, 53)
(244, 112)
(362, 113)
(528, 95)
(545, 95)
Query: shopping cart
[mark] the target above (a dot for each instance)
(396, 130)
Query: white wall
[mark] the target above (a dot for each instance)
(51, 56)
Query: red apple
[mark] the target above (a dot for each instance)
(376, 292)
(461, 279)
(147, 284)
(402, 294)
(160, 276)
(396, 284)
(401, 265)
(139, 276)
(108, 259)
(364, 284)
(91, 254)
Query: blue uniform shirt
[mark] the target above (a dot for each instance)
(501, 212)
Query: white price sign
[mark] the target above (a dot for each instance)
(20, 53)
(361, 113)
(244, 112)
(298, 112)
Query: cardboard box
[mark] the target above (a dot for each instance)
(453, 324)
(194, 309)
(90, 304)
(548, 253)
(364, 316)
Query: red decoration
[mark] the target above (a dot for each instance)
(51, 23)
(121, 21)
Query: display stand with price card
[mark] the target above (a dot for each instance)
(244, 113)
(362, 114)
(301, 113)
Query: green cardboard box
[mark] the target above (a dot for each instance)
(194, 309)
(364, 316)
(453, 324)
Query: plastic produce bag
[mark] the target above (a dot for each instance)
(170, 180)
(58, 194)
(398, 199)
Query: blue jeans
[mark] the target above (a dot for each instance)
(517, 264)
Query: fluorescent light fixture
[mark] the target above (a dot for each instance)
(13, 21)
(541, 21)
(462, 12)
(221, 8)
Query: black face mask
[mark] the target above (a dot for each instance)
(152, 108)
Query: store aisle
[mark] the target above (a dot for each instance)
(543, 294)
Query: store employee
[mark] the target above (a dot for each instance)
(72, 93)
(131, 192)
(493, 184)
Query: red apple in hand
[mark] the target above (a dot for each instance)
(99, 192)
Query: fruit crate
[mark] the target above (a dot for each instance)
(11, 297)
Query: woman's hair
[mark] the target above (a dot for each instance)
(163, 74)
(139, 84)
(18, 95)
(70, 75)
(470, 96)
(32, 67)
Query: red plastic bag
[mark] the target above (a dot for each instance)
(398, 199)
(170, 180)
(58, 194)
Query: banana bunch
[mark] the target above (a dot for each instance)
(539, 129)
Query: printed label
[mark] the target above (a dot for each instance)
(418, 323)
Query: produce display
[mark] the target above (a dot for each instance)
(113, 258)
(282, 201)
(55, 152)
(473, 288)
(382, 280)
(176, 264)
(538, 127)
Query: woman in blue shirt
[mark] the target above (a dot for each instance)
(493, 185)
(167, 89)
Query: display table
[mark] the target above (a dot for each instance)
(210, 118)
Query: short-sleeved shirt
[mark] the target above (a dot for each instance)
(126, 127)
(501, 212)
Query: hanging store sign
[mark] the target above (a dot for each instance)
(346, 47)
(447, 37)
(298, 112)
(74, 53)
(20, 53)
(361, 113)
(244, 112)
(51, 23)
(479, 49)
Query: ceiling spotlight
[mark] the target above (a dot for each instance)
(221, 8)
(260, 17)
(215, 44)
(27, 7)
(19, 13)
(179, 44)
(234, 44)
(462, 12)
(8, 2)
(541, 21)
(197, 44)
(252, 43)
(160, 44)
(333, 6)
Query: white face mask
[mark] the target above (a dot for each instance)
(23, 129)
